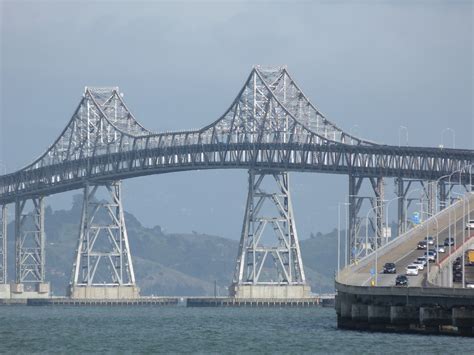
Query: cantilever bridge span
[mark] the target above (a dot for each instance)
(270, 128)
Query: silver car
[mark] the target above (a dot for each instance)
(420, 264)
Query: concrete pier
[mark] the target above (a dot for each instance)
(399, 309)
(378, 314)
(270, 291)
(103, 292)
(259, 302)
(22, 291)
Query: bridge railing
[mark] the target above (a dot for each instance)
(369, 259)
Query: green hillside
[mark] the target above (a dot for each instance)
(171, 264)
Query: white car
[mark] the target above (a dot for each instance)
(470, 224)
(420, 264)
(440, 249)
(422, 259)
(412, 270)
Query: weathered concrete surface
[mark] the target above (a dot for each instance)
(378, 314)
(270, 291)
(435, 316)
(19, 291)
(104, 292)
(5, 291)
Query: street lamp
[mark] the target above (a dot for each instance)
(465, 201)
(406, 204)
(339, 237)
(453, 135)
(376, 241)
(400, 129)
(386, 211)
(437, 237)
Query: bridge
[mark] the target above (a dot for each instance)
(270, 129)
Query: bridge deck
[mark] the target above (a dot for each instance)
(402, 251)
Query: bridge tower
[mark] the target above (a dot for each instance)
(30, 281)
(269, 265)
(103, 266)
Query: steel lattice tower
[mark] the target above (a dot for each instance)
(103, 256)
(254, 257)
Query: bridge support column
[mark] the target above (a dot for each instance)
(269, 263)
(4, 286)
(30, 251)
(442, 195)
(361, 245)
(103, 267)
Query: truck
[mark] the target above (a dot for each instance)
(470, 256)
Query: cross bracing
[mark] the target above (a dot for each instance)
(271, 124)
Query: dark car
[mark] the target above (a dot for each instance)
(389, 268)
(457, 266)
(421, 245)
(457, 276)
(401, 280)
(449, 241)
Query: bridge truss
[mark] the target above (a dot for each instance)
(270, 126)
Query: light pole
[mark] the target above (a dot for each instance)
(400, 129)
(386, 211)
(465, 201)
(437, 236)
(406, 204)
(453, 135)
(376, 241)
(339, 237)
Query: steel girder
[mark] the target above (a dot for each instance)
(3, 244)
(254, 250)
(289, 157)
(271, 124)
(30, 242)
(103, 254)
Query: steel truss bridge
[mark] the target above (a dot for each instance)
(271, 128)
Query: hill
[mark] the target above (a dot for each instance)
(171, 264)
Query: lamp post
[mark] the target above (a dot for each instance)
(465, 201)
(376, 242)
(437, 236)
(339, 237)
(400, 129)
(406, 204)
(453, 135)
(386, 211)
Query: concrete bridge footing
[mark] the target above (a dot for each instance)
(103, 292)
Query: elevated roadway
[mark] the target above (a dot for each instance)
(403, 250)
(430, 303)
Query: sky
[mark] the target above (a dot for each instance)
(369, 66)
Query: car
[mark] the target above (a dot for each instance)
(430, 240)
(433, 251)
(449, 242)
(411, 270)
(430, 256)
(420, 264)
(441, 249)
(457, 266)
(422, 259)
(421, 245)
(470, 224)
(401, 280)
(470, 284)
(389, 268)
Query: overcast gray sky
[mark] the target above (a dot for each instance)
(370, 66)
